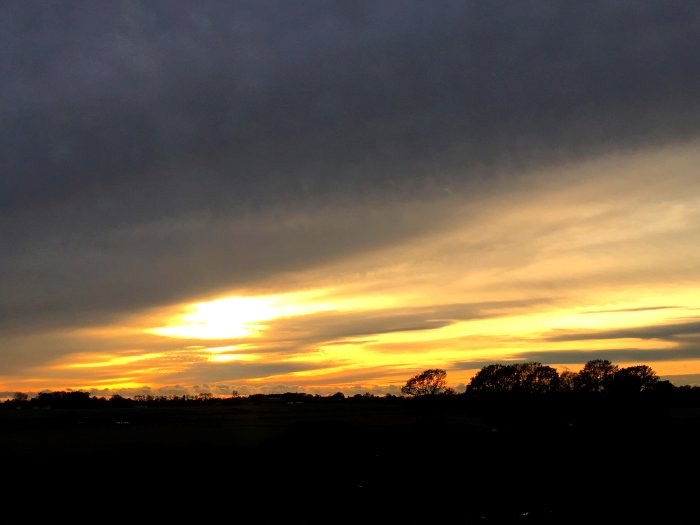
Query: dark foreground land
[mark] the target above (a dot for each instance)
(345, 461)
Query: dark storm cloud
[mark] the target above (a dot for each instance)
(663, 331)
(155, 150)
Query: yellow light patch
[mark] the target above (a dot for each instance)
(228, 358)
(243, 317)
(113, 361)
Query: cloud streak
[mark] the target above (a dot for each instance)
(667, 331)
(573, 356)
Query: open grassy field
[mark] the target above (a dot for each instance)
(371, 461)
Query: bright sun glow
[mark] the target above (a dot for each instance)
(238, 316)
(223, 318)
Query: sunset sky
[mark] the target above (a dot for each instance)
(270, 196)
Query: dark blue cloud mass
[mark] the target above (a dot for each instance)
(153, 149)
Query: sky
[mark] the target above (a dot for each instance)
(269, 196)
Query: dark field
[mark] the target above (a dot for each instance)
(372, 461)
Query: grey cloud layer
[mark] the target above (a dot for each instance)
(577, 356)
(278, 96)
(665, 331)
(337, 327)
(188, 122)
(685, 338)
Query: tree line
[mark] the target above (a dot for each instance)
(596, 376)
(76, 399)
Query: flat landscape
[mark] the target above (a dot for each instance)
(391, 460)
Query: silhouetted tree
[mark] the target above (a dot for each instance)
(664, 388)
(20, 396)
(541, 379)
(70, 399)
(492, 378)
(635, 379)
(521, 377)
(367, 396)
(427, 383)
(44, 399)
(596, 376)
(567, 381)
(119, 401)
